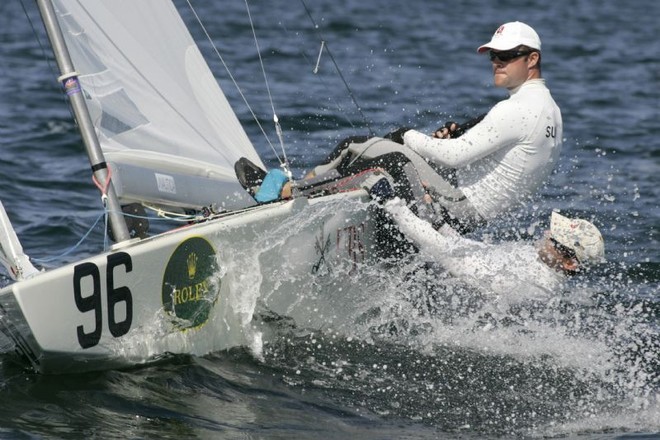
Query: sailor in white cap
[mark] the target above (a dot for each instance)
(505, 157)
(497, 161)
(571, 246)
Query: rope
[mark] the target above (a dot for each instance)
(346, 182)
(74, 247)
(104, 199)
(103, 188)
(98, 219)
(173, 216)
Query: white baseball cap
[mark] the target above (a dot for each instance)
(579, 235)
(511, 35)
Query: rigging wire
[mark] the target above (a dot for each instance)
(233, 79)
(49, 60)
(341, 75)
(36, 35)
(340, 109)
(278, 127)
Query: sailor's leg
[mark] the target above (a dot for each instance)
(396, 165)
(336, 156)
(343, 145)
(433, 189)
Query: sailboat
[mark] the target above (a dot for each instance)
(159, 131)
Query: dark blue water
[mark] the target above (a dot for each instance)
(583, 366)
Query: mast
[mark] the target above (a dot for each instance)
(69, 79)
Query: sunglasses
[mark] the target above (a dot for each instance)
(565, 251)
(508, 55)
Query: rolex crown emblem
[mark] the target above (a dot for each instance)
(192, 265)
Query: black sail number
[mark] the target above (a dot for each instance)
(86, 302)
(119, 298)
(117, 295)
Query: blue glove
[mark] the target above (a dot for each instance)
(271, 187)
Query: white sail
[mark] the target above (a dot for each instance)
(164, 125)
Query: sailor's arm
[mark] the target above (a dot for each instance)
(445, 246)
(495, 131)
(419, 231)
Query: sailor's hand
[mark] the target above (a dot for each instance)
(448, 131)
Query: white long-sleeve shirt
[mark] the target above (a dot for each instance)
(510, 269)
(504, 159)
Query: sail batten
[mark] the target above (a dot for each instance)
(152, 96)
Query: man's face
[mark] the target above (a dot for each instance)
(511, 72)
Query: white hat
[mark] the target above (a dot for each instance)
(511, 35)
(579, 235)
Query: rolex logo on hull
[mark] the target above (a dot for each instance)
(190, 287)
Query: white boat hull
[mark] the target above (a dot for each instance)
(193, 290)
